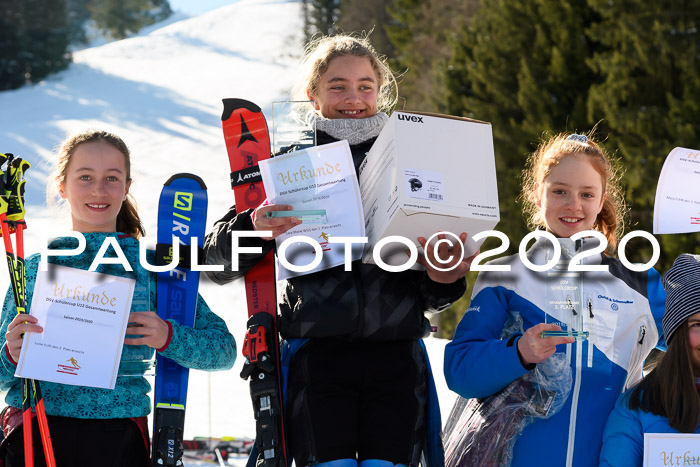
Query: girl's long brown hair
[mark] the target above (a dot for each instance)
(669, 389)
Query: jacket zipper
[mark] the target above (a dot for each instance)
(635, 354)
(574, 405)
(577, 383)
(590, 332)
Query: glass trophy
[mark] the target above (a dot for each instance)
(291, 130)
(314, 216)
(563, 305)
(138, 360)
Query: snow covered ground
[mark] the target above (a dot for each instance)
(161, 92)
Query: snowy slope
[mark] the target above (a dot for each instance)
(161, 92)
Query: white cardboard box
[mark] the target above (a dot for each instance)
(428, 173)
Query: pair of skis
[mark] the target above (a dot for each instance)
(12, 211)
(247, 143)
(182, 214)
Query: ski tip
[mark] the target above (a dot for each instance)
(186, 175)
(230, 105)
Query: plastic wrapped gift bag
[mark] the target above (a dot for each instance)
(483, 432)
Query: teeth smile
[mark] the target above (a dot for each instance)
(570, 219)
(351, 112)
(97, 206)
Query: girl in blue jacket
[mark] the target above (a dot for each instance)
(570, 186)
(94, 426)
(667, 400)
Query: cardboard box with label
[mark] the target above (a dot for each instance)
(428, 173)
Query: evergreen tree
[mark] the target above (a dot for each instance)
(306, 19)
(46, 33)
(320, 17)
(421, 33)
(358, 16)
(650, 97)
(33, 41)
(35, 34)
(12, 70)
(123, 17)
(77, 15)
(159, 10)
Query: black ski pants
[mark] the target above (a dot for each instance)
(82, 443)
(357, 400)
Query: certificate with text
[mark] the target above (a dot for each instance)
(84, 315)
(662, 449)
(677, 203)
(320, 179)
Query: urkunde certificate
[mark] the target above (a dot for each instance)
(84, 315)
(317, 179)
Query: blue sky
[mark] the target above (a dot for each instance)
(197, 7)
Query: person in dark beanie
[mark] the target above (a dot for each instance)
(667, 400)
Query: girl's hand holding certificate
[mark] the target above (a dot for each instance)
(15, 332)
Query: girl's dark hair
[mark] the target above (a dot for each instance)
(610, 220)
(669, 389)
(128, 220)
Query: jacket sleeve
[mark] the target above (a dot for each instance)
(218, 246)
(7, 367)
(437, 296)
(9, 311)
(623, 438)
(207, 346)
(478, 363)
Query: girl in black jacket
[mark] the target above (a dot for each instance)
(357, 388)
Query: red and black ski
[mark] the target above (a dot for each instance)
(247, 143)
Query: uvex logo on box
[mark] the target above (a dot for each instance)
(411, 118)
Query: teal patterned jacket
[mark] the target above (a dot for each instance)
(209, 346)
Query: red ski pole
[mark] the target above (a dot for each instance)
(26, 397)
(12, 218)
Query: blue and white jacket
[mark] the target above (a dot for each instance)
(623, 439)
(621, 309)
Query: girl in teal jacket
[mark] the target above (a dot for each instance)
(88, 423)
(667, 400)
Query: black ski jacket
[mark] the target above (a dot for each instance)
(366, 303)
